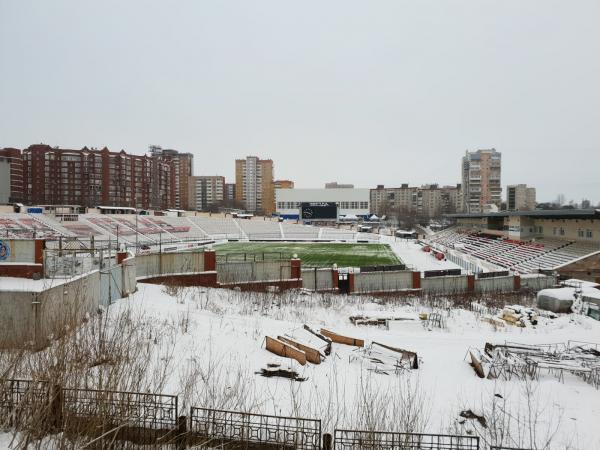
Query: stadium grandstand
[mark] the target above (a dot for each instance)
(523, 241)
(149, 230)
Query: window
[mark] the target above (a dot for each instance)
(580, 233)
(588, 234)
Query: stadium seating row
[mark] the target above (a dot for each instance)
(520, 256)
(142, 230)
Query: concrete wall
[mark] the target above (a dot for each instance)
(129, 276)
(382, 281)
(318, 279)
(169, 263)
(31, 318)
(240, 272)
(448, 284)
(497, 284)
(537, 283)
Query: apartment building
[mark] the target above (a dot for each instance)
(519, 197)
(182, 171)
(481, 179)
(206, 191)
(229, 194)
(92, 177)
(254, 184)
(12, 175)
(425, 201)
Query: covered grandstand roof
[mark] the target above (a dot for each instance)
(539, 213)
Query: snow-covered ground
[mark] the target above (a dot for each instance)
(413, 255)
(212, 343)
(221, 334)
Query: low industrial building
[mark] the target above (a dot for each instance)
(350, 202)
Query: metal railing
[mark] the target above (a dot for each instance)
(236, 430)
(378, 440)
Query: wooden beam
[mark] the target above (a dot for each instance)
(339, 339)
(312, 355)
(285, 350)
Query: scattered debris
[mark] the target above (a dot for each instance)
(377, 321)
(527, 361)
(275, 370)
(434, 320)
(468, 414)
(519, 315)
(339, 339)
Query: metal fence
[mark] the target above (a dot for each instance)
(507, 448)
(235, 430)
(134, 419)
(67, 263)
(22, 402)
(376, 440)
(133, 416)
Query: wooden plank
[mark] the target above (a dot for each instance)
(285, 350)
(320, 336)
(312, 355)
(339, 339)
(476, 364)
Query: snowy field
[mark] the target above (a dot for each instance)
(206, 346)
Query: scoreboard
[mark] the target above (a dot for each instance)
(318, 210)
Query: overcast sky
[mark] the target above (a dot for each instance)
(365, 92)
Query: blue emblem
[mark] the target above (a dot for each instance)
(4, 251)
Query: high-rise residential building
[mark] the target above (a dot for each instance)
(229, 195)
(481, 179)
(206, 191)
(254, 186)
(427, 201)
(519, 197)
(91, 177)
(183, 164)
(336, 185)
(12, 176)
(283, 184)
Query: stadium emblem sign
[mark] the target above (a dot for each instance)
(4, 251)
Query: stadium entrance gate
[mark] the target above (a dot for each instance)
(343, 283)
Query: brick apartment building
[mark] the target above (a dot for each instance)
(92, 177)
(183, 169)
(427, 201)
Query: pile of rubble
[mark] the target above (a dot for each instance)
(527, 361)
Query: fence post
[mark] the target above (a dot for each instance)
(181, 439)
(56, 407)
(327, 441)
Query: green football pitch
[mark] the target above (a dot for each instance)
(311, 254)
